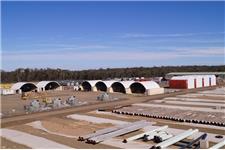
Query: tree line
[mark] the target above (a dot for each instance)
(27, 74)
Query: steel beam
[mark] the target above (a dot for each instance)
(174, 139)
(218, 145)
(119, 132)
(145, 133)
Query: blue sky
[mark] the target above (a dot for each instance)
(87, 35)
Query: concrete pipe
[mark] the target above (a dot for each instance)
(188, 120)
(194, 121)
(203, 121)
(217, 123)
(207, 122)
(181, 120)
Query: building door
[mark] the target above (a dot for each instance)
(210, 82)
(195, 83)
(203, 84)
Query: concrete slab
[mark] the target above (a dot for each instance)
(95, 119)
(31, 140)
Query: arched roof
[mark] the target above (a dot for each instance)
(43, 84)
(126, 84)
(19, 85)
(108, 83)
(92, 82)
(149, 84)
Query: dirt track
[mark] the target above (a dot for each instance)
(16, 120)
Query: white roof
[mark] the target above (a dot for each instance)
(126, 84)
(18, 85)
(190, 77)
(182, 77)
(108, 83)
(149, 84)
(92, 82)
(42, 84)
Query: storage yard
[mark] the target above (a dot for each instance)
(127, 118)
(183, 109)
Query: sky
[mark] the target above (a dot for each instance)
(91, 35)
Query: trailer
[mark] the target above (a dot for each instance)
(174, 139)
(196, 143)
(162, 136)
(145, 133)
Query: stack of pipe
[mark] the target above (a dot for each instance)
(175, 116)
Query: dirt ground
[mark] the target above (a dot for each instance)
(58, 123)
(71, 127)
(72, 142)
(14, 105)
(63, 125)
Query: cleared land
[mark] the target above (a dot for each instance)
(55, 125)
(13, 104)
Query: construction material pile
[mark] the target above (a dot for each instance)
(105, 134)
(34, 106)
(105, 97)
(212, 118)
(48, 104)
